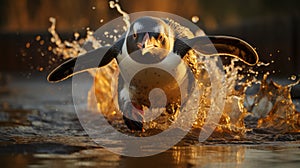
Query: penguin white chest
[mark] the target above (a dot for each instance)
(140, 79)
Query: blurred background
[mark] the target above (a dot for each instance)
(272, 26)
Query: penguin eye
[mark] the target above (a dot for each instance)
(160, 37)
(134, 35)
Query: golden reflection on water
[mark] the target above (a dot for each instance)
(278, 155)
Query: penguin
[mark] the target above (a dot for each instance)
(153, 40)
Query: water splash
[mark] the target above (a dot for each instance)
(271, 109)
(125, 15)
(68, 49)
(274, 109)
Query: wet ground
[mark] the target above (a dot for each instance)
(39, 128)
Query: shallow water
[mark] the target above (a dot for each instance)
(39, 128)
(269, 155)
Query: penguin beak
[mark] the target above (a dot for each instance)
(147, 43)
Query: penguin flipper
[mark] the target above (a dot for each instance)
(93, 59)
(225, 46)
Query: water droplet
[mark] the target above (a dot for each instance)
(111, 4)
(293, 77)
(90, 33)
(28, 45)
(76, 35)
(52, 19)
(42, 42)
(195, 19)
(38, 38)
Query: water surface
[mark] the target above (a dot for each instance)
(39, 128)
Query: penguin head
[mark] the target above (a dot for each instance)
(149, 40)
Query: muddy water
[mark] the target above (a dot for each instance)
(39, 128)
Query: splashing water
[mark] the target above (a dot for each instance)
(68, 49)
(125, 15)
(269, 112)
